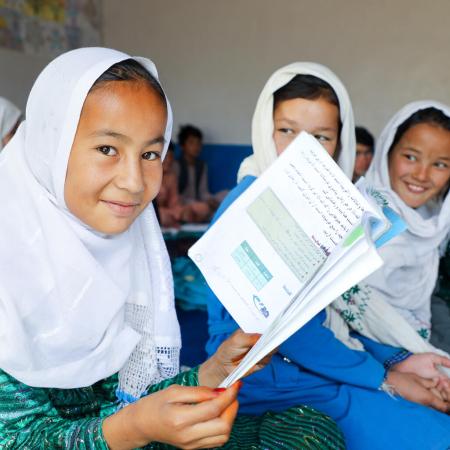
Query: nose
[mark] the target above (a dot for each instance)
(130, 176)
(421, 172)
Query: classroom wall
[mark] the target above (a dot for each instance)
(214, 56)
(17, 73)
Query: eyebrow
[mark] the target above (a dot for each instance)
(412, 149)
(293, 122)
(123, 138)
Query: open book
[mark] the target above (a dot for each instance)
(300, 236)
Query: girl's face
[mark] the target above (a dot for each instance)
(419, 164)
(318, 117)
(114, 168)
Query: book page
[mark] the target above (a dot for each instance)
(359, 261)
(274, 238)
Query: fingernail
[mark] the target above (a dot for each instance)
(220, 389)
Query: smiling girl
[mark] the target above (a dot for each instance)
(419, 159)
(89, 339)
(411, 169)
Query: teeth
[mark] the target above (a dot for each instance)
(415, 188)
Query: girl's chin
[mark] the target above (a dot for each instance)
(414, 201)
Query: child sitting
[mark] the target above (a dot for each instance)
(89, 339)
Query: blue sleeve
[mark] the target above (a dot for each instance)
(316, 348)
(381, 352)
(313, 347)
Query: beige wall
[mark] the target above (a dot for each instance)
(17, 74)
(214, 56)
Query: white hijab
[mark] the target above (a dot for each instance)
(264, 151)
(392, 306)
(77, 306)
(9, 115)
(411, 260)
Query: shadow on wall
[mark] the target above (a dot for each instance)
(223, 163)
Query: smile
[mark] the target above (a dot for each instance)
(415, 189)
(121, 209)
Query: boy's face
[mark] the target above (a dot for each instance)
(114, 169)
(419, 164)
(192, 147)
(363, 159)
(318, 117)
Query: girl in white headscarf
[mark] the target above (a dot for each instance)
(340, 142)
(9, 121)
(411, 169)
(313, 367)
(87, 321)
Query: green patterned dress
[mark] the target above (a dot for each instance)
(38, 418)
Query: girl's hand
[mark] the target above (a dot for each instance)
(213, 371)
(185, 417)
(425, 365)
(416, 389)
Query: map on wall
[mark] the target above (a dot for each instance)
(49, 27)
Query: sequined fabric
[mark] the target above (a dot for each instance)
(296, 428)
(37, 418)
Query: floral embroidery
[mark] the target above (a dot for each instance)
(424, 332)
(379, 198)
(356, 309)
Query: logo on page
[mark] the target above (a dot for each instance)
(260, 306)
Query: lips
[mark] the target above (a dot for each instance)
(122, 209)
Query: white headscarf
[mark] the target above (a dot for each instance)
(9, 115)
(392, 305)
(264, 151)
(411, 260)
(77, 306)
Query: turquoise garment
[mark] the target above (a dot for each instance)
(191, 290)
(39, 418)
(47, 419)
(314, 368)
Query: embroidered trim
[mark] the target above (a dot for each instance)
(395, 359)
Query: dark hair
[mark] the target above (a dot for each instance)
(187, 131)
(305, 86)
(364, 137)
(309, 87)
(171, 147)
(431, 116)
(129, 70)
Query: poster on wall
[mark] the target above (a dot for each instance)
(49, 27)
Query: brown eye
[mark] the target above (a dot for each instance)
(322, 138)
(107, 150)
(150, 156)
